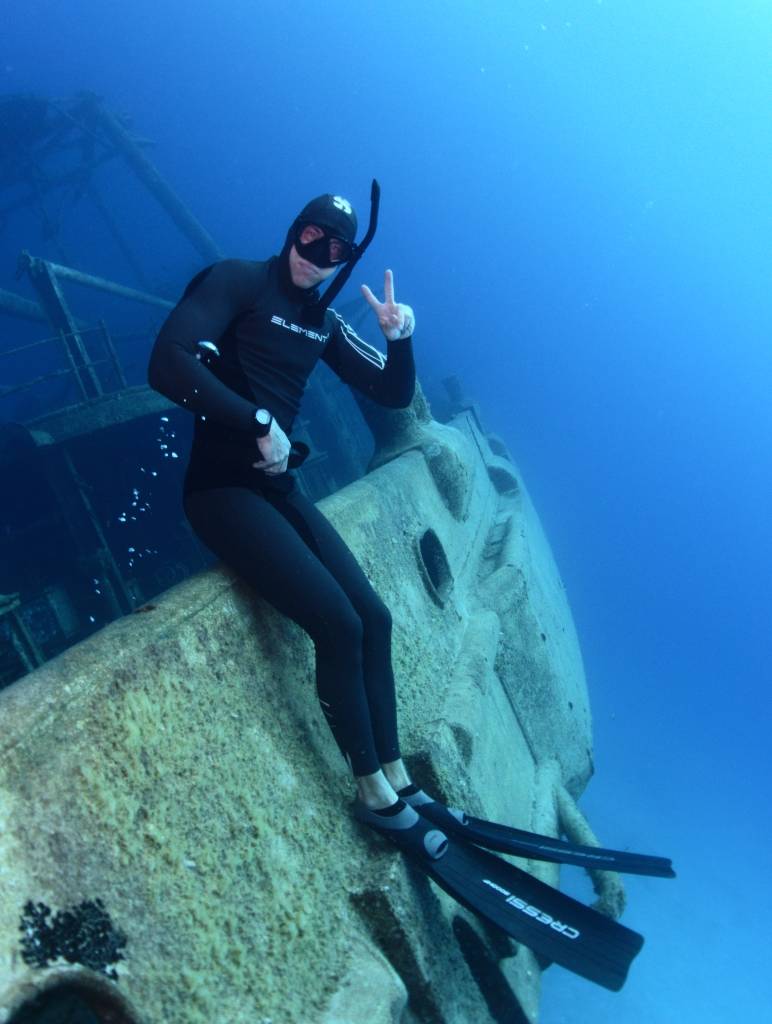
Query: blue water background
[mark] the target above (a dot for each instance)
(576, 201)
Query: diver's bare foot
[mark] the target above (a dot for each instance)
(375, 791)
(396, 773)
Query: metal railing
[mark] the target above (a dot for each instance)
(109, 358)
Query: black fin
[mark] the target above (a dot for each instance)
(595, 858)
(519, 843)
(550, 923)
(555, 926)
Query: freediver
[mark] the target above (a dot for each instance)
(263, 326)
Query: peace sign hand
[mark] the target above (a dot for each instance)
(396, 319)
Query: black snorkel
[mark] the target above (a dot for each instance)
(314, 313)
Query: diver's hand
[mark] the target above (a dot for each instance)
(396, 319)
(275, 449)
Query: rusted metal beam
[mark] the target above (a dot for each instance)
(112, 226)
(18, 306)
(153, 181)
(50, 185)
(27, 309)
(63, 273)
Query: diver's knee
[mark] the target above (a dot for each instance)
(378, 617)
(341, 627)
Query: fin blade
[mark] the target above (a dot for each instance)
(530, 844)
(520, 843)
(553, 925)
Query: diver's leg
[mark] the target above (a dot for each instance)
(326, 542)
(256, 540)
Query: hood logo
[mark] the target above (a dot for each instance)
(342, 204)
(313, 335)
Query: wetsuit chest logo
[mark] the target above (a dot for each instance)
(289, 326)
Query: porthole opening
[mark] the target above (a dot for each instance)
(73, 1002)
(434, 567)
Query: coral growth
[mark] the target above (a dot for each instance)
(81, 935)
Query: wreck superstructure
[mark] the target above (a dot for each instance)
(78, 546)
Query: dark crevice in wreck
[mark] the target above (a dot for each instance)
(501, 1001)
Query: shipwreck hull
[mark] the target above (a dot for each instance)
(176, 767)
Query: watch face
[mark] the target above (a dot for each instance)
(263, 417)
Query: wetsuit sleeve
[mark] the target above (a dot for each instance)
(209, 304)
(387, 379)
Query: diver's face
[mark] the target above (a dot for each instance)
(303, 273)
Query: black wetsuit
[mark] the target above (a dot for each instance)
(262, 525)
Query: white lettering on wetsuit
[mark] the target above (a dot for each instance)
(534, 912)
(313, 335)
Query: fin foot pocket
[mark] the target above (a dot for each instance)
(406, 829)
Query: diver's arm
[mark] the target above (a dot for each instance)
(204, 312)
(387, 379)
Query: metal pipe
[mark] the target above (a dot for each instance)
(15, 389)
(17, 306)
(63, 273)
(56, 337)
(49, 185)
(112, 226)
(154, 182)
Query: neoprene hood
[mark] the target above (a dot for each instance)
(333, 212)
(336, 214)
